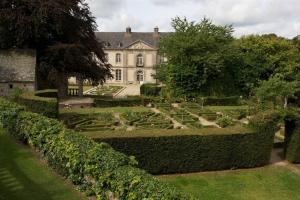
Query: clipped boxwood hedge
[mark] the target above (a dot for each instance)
(219, 101)
(183, 151)
(50, 93)
(127, 102)
(150, 89)
(42, 105)
(96, 168)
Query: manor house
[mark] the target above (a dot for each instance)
(132, 55)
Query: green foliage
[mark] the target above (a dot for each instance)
(50, 93)
(90, 122)
(264, 56)
(197, 54)
(130, 101)
(219, 101)
(41, 105)
(150, 89)
(277, 89)
(225, 121)
(194, 150)
(96, 168)
(147, 120)
(292, 137)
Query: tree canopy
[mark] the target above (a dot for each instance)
(62, 32)
(196, 55)
(205, 59)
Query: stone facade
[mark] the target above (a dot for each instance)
(132, 55)
(17, 70)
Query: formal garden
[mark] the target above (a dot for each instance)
(222, 120)
(174, 140)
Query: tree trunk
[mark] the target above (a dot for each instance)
(62, 85)
(285, 102)
(80, 85)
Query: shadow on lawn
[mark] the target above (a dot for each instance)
(16, 180)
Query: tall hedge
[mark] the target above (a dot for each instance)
(42, 105)
(183, 151)
(219, 101)
(126, 102)
(96, 168)
(292, 137)
(150, 89)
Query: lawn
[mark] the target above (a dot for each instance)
(275, 182)
(23, 176)
(105, 110)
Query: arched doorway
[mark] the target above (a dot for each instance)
(140, 77)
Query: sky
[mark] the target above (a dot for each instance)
(247, 16)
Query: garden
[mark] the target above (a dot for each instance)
(207, 129)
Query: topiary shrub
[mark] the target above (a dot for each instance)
(225, 121)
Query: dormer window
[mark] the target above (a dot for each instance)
(118, 58)
(120, 44)
(140, 60)
(106, 44)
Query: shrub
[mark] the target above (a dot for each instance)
(96, 168)
(184, 151)
(219, 101)
(41, 105)
(130, 101)
(150, 89)
(50, 93)
(225, 121)
(292, 137)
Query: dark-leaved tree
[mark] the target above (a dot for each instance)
(62, 32)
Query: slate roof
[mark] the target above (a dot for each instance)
(114, 39)
(17, 66)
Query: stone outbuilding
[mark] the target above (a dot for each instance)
(17, 70)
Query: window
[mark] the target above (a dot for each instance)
(140, 60)
(11, 86)
(118, 75)
(140, 76)
(118, 58)
(106, 57)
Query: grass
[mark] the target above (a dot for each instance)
(23, 176)
(274, 182)
(105, 110)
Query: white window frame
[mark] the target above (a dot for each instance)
(118, 58)
(140, 60)
(118, 75)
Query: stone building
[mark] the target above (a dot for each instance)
(132, 55)
(17, 70)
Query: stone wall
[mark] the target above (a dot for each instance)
(17, 70)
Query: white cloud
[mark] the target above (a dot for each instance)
(247, 16)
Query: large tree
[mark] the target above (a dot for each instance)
(197, 54)
(263, 57)
(62, 32)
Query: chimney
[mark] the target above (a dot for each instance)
(156, 31)
(128, 31)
